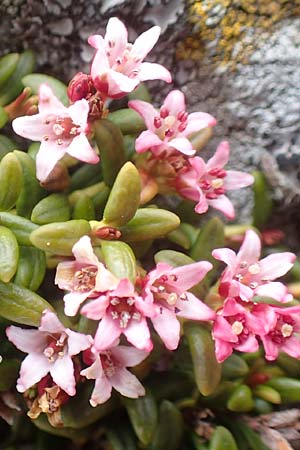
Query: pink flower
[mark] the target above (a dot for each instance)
(170, 127)
(61, 130)
(50, 349)
(283, 333)
(108, 368)
(235, 328)
(166, 288)
(247, 276)
(85, 277)
(121, 310)
(117, 67)
(207, 183)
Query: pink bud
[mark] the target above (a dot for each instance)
(81, 86)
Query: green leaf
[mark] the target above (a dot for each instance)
(267, 393)
(119, 259)
(34, 80)
(21, 305)
(111, 147)
(60, 237)
(9, 369)
(84, 208)
(211, 236)
(21, 227)
(173, 258)
(288, 388)
(31, 268)
(128, 120)
(13, 86)
(234, 367)
(124, 198)
(88, 414)
(54, 208)
(222, 439)
(9, 254)
(143, 416)
(169, 430)
(8, 64)
(241, 399)
(207, 371)
(6, 145)
(31, 191)
(149, 223)
(11, 179)
(262, 200)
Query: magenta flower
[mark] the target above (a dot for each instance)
(117, 67)
(50, 349)
(166, 288)
(61, 130)
(247, 276)
(207, 183)
(121, 310)
(85, 277)
(283, 333)
(235, 328)
(108, 368)
(170, 127)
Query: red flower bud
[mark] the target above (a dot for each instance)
(81, 86)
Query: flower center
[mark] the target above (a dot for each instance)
(85, 279)
(169, 126)
(123, 310)
(61, 129)
(212, 183)
(249, 275)
(55, 347)
(164, 293)
(108, 363)
(283, 330)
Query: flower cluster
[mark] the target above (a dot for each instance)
(120, 305)
(241, 321)
(121, 308)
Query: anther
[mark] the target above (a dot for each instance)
(254, 269)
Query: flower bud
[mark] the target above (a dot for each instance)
(58, 179)
(81, 86)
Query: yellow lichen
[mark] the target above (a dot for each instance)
(227, 23)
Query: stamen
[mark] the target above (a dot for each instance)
(253, 285)
(254, 269)
(45, 138)
(164, 112)
(243, 264)
(114, 315)
(172, 299)
(287, 330)
(59, 141)
(237, 327)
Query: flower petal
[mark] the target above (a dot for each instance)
(153, 71)
(79, 113)
(127, 384)
(32, 127)
(77, 342)
(250, 248)
(128, 356)
(33, 369)
(116, 38)
(73, 301)
(28, 341)
(102, 389)
(81, 149)
(175, 102)
(145, 42)
(138, 334)
(223, 204)
(48, 102)
(189, 275)
(276, 265)
(194, 309)
(146, 110)
(236, 180)
(62, 372)
(146, 140)
(47, 157)
(197, 121)
(183, 145)
(108, 331)
(220, 158)
(50, 323)
(167, 327)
